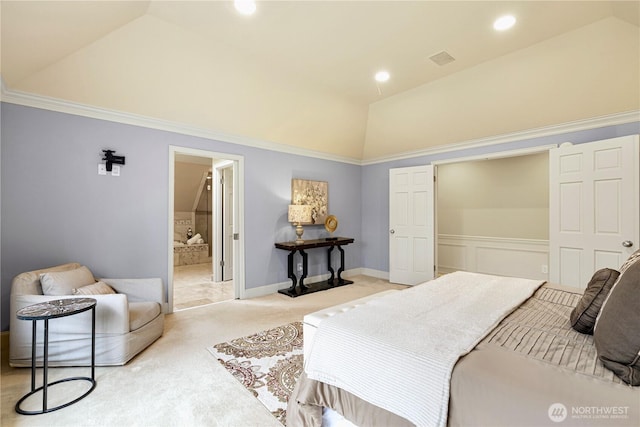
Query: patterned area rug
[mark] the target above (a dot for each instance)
(268, 364)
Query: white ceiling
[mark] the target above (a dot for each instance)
(331, 48)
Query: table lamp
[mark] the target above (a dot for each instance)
(299, 214)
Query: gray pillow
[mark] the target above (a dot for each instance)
(617, 331)
(63, 282)
(584, 315)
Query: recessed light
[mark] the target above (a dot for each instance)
(382, 76)
(504, 22)
(245, 7)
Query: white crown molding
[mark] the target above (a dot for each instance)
(54, 104)
(497, 155)
(579, 125)
(62, 106)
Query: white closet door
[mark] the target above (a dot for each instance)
(411, 225)
(594, 208)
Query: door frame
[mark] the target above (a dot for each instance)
(218, 205)
(489, 156)
(239, 246)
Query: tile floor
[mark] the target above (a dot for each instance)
(193, 287)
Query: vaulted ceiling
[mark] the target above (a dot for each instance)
(298, 73)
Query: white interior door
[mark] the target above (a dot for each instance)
(594, 208)
(227, 217)
(411, 225)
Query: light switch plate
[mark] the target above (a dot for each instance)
(102, 169)
(115, 170)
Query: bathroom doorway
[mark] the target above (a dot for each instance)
(204, 228)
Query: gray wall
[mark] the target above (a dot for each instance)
(56, 208)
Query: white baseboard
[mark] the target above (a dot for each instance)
(265, 290)
(378, 274)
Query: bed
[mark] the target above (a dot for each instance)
(530, 366)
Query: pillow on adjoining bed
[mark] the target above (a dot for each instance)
(98, 288)
(616, 334)
(583, 317)
(63, 282)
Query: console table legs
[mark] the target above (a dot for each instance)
(330, 281)
(341, 269)
(305, 270)
(298, 286)
(292, 276)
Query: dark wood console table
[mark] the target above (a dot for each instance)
(302, 288)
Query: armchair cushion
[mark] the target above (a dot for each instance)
(63, 282)
(141, 313)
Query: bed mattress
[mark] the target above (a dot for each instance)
(532, 369)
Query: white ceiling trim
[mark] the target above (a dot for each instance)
(498, 155)
(54, 104)
(62, 106)
(579, 125)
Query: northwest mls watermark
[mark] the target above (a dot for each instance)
(558, 412)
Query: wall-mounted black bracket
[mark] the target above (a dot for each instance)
(111, 159)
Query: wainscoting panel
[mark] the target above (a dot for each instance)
(451, 257)
(526, 258)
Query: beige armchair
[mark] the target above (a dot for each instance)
(126, 322)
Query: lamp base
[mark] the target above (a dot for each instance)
(299, 231)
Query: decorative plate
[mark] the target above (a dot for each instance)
(331, 223)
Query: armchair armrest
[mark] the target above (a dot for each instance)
(139, 290)
(112, 314)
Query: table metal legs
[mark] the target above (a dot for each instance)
(45, 370)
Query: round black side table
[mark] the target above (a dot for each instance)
(51, 310)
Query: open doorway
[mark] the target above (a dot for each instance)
(202, 214)
(493, 214)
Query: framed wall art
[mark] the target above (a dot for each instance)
(313, 193)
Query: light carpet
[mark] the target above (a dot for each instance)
(267, 363)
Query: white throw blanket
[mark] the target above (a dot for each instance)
(398, 351)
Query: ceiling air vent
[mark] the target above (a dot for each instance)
(442, 58)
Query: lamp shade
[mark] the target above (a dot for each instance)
(299, 213)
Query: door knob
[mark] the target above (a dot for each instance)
(393, 231)
(627, 243)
